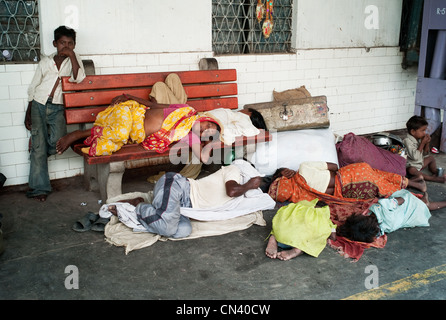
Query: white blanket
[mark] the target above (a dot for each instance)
(120, 235)
(288, 149)
(233, 124)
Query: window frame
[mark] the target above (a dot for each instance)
(20, 31)
(235, 29)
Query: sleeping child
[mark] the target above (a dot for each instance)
(303, 227)
(401, 210)
(300, 227)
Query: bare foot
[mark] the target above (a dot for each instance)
(418, 183)
(271, 248)
(289, 254)
(112, 209)
(65, 142)
(418, 178)
(134, 202)
(425, 198)
(441, 179)
(41, 197)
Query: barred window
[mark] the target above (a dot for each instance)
(237, 29)
(19, 26)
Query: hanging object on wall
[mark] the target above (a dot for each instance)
(260, 11)
(268, 24)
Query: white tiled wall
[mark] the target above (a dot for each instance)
(367, 91)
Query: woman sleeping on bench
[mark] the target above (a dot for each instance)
(154, 125)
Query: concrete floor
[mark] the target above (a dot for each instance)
(40, 245)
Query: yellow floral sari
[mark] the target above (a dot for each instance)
(116, 126)
(124, 123)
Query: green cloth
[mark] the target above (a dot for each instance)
(303, 226)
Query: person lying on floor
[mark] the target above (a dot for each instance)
(342, 190)
(173, 191)
(305, 226)
(401, 210)
(318, 179)
(300, 227)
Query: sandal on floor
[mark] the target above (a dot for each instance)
(99, 225)
(85, 223)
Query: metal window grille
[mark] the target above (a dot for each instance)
(235, 29)
(19, 26)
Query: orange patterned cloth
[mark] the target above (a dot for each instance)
(361, 181)
(357, 181)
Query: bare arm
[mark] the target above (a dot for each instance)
(74, 65)
(134, 202)
(399, 200)
(68, 52)
(204, 149)
(201, 152)
(28, 122)
(332, 166)
(424, 144)
(234, 189)
(287, 173)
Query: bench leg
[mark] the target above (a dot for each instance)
(104, 178)
(91, 177)
(110, 179)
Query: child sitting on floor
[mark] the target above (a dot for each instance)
(401, 210)
(417, 146)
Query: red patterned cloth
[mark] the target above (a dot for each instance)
(354, 249)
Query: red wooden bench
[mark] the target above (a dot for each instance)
(206, 90)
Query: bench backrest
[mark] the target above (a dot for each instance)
(205, 89)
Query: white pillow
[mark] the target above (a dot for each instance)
(288, 149)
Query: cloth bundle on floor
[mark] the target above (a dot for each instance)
(119, 234)
(354, 149)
